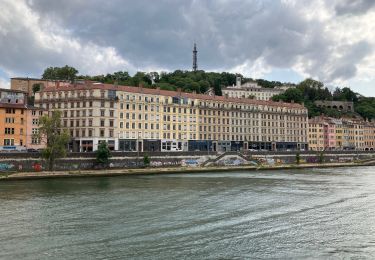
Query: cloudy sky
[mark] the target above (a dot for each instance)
(286, 40)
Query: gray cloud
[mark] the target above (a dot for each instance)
(354, 6)
(160, 34)
(345, 67)
(228, 33)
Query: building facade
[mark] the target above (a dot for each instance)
(33, 115)
(136, 118)
(251, 90)
(26, 84)
(327, 133)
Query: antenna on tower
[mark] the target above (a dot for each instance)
(195, 65)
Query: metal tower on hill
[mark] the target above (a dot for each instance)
(195, 65)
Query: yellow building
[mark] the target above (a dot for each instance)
(316, 134)
(369, 136)
(132, 118)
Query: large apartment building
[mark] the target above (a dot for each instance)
(143, 119)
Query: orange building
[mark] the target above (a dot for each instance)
(18, 121)
(13, 105)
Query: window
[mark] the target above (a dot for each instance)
(90, 122)
(10, 110)
(35, 121)
(9, 131)
(102, 112)
(102, 122)
(8, 141)
(10, 120)
(101, 132)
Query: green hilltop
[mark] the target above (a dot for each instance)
(305, 92)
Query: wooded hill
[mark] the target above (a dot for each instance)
(306, 92)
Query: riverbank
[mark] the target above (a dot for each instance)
(165, 170)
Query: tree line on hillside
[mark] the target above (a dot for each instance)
(305, 92)
(198, 81)
(309, 91)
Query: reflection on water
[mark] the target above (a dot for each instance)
(320, 213)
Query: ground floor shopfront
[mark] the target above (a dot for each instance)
(164, 145)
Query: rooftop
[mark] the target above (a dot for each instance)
(143, 90)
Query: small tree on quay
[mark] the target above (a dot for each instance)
(103, 153)
(146, 160)
(56, 140)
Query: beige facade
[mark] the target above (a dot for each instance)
(251, 90)
(33, 115)
(132, 118)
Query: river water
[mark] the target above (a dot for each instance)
(294, 214)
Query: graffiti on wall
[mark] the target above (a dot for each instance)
(190, 163)
(37, 166)
(6, 166)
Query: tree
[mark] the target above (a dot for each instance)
(146, 160)
(36, 88)
(311, 83)
(60, 73)
(292, 94)
(298, 158)
(56, 140)
(103, 153)
(321, 157)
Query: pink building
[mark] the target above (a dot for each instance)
(329, 135)
(32, 128)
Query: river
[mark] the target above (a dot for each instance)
(294, 214)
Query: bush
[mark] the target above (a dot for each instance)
(146, 160)
(321, 157)
(103, 153)
(298, 158)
